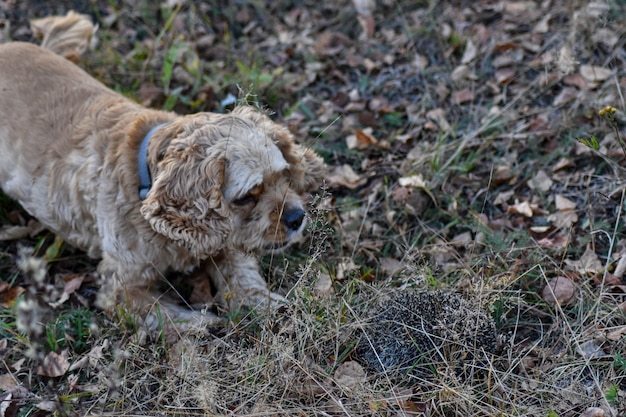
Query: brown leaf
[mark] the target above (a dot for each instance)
(593, 74)
(349, 374)
(617, 333)
(505, 75)
(593, 412)
(524, 208)
(323, 285)
(54, 364)
(560, 290)
(541, 181)
(20, 232)
(470, 52)
(588, 264)
(344, 176)
(7, 382)
(438, 115)
(70, 287)
(566, 95)
(464, 96)
(563, 203)
(391, 266)
(9, 295)
(362, 139)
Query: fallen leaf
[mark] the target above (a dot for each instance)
(503, 197)
(7, 382)
(362, 139)
(593, 74)
(9, 295)
(617, 333)
(541, 181)
(563, 219)
(349, 374)
(591, 349)
(323, 285)
(70, 287)
(563, 203)
(560, 290)
(31, 229)
(593, 412)
(524, 208)
(464, 96)
(460, 73)
(438, 115)
(505, 75)
(567, 95)
(470, 52)
(588, 264)
(344, 176)
(54, 364)
(391, 266)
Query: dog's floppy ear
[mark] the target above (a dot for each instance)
(185, 202)
(308, 169)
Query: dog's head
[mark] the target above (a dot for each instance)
(234, 180)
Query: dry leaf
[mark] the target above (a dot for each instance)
(438, 115)
(541, 181)
(505, 75)
(524, 208)
(7, 382)
(323, 285)
(391, 266)
(54, 364)
(593, 412)
(617, 333)
(9, 295)
(563, 203)
(460, 73)
(560, 290)
(70, 287)
(344, 176)
(470, 52)
(591, 349)
(464, 96)
(593, 74)
(362, 139)
(563, 219)
(20, 232)
(349, 374)
(587, 264)
(567, 95)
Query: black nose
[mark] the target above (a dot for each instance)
(293, 218)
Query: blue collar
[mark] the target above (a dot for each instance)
(145, 182)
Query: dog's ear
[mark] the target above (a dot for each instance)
(185, 202)
(307, 169)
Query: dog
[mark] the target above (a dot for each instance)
(147, 191)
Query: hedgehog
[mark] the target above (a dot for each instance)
(415, 332)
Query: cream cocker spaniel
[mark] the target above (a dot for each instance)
(147, 191)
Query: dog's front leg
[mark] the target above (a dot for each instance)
(136, 289)
(237, 282)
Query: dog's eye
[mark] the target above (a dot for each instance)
(245, 200)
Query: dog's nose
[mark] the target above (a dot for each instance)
(293, 218)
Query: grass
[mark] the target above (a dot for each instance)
(367, 244)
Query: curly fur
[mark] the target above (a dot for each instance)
(224, 185)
